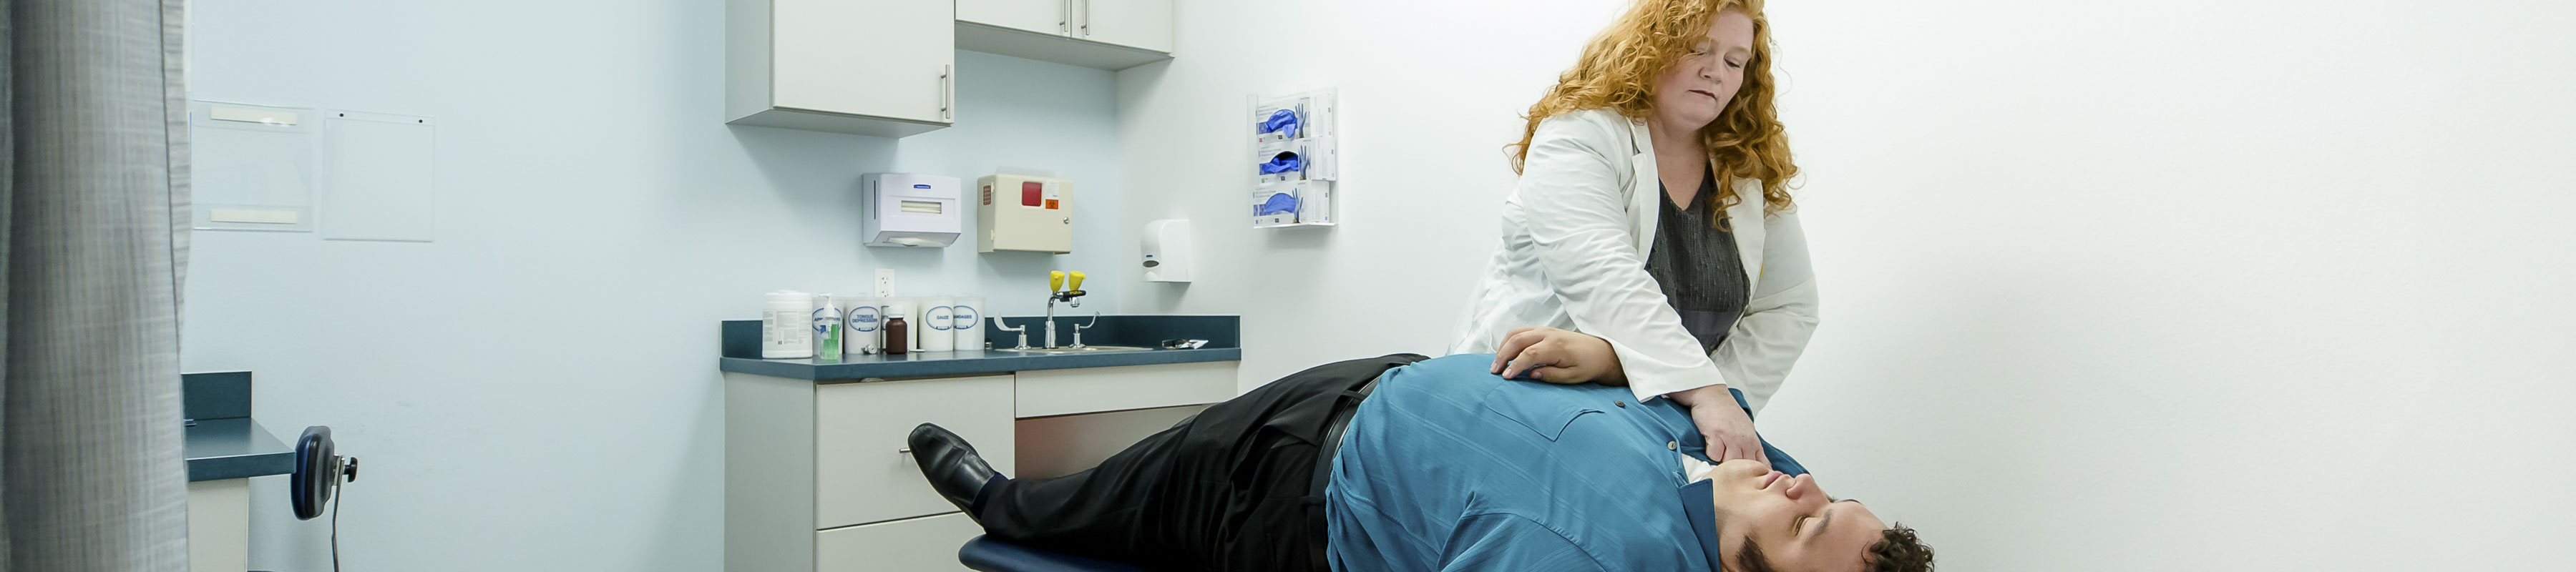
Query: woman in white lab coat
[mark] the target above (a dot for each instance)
(1667, 108)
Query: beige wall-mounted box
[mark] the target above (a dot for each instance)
(1023, 212)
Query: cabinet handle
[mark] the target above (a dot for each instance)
(903, 451)
(948, 93)
(1064, 20)
(1086, 18)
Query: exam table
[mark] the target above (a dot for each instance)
(989, 555)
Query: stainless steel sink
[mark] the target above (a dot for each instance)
(1079, 350)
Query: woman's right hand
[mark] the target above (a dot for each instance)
(1558, 356)
(1722, 423)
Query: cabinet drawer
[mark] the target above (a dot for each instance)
(861, 473)
(1092, 390)
(912, 544)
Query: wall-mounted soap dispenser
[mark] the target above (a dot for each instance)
(1167, 250)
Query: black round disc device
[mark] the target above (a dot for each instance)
(318, 471)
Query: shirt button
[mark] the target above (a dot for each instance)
(1672, 445)
(1621, 404)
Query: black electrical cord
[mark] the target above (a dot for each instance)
(335, 527)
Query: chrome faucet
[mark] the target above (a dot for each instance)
(1071, 298)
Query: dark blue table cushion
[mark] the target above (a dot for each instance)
(991, 555)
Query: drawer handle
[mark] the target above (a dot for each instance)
(903, 451)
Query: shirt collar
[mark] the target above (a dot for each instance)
(1699, 503)
(1677, 422)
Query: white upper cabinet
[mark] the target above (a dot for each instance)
(1106, 34)
(1040, 16)
(1143, 24)
(871, 67)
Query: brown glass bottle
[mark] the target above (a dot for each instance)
(896, 333)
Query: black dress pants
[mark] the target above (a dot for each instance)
(1228, 489)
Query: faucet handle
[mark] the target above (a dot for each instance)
(1022, 330)
(1077, 329)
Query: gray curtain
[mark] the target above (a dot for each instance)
(93, 229)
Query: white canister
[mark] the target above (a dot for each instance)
(787, 325)
(861, 318)
(910, 309)
(968, 323)
(938, 324)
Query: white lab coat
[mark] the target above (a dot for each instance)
(1575, 236)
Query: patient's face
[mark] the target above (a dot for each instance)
(1798, 527)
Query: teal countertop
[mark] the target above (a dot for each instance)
(224, 443)
(236, 448)
(937, 364)
(742, 350)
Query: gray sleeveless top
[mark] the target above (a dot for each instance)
(1695, 263)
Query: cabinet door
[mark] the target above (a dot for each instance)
(876, 58)
(1143, 24)
(1041, 16)
(863, 471)
(928, 543)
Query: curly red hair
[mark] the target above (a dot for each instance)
(1618, 70)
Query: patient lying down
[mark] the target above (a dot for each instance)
(1408, 463)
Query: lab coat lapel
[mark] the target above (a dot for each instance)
(1643, 189)
(1746, 219)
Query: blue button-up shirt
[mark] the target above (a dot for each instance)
(1447, 467)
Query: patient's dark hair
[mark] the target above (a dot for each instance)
(1897, 550)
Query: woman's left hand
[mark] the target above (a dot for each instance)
(1558, 356)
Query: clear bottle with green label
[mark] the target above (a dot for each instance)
(827, 329)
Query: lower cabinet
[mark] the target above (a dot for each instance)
(862, 470)
(925, 543)
(818, 476)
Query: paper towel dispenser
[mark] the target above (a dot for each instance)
(903, 209)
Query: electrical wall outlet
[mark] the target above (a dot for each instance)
(885, 283)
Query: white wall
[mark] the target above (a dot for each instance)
(2208, 285)
(1425, 113)
(537, 389)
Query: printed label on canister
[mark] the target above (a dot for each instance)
(941, 318)
(779, 328)
(963, 316)
(864, 319)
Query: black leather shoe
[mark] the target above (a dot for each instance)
(952, 465)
